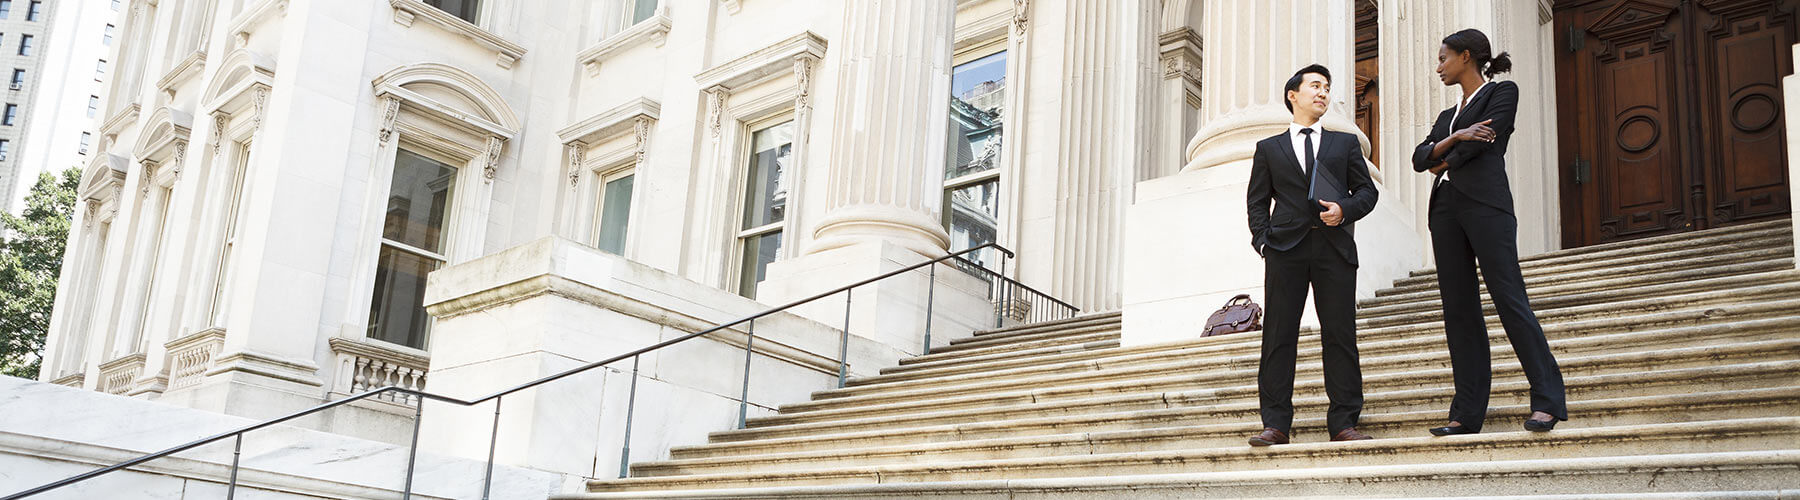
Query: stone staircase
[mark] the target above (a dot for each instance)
(1681, 356)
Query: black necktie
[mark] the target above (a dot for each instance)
(1309, 154)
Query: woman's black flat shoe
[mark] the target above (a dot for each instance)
(1540, 425)
(1451, 430)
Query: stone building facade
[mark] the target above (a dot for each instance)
(275, 179)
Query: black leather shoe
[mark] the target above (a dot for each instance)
(1540, 425)
(1451, 430)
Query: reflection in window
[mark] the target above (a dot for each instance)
(412, 241)
(971, 178)
(462, 9)
(615, 213)
(765, 203)
(641, 10)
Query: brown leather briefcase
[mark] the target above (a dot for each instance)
(1239, 315)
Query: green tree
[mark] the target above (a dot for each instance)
(31, 254)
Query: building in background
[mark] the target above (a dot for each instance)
(61, 99)
(26, 26)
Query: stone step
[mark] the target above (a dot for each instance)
(1308, 427)
(1712, 436)
(1654, 244)
(1653, 312)
(1698, 258)
(979, 352)
(1077, 321)
(1738, 243)
(1378, 357)
(1427, 390)
(1756, 474)
(1629, 286)
(972, 343)
(1422, 313)
(917, 370)
(1720, 405)
(1226, 385)
(1551, 298)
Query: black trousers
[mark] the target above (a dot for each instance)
(1311, 264)
(1464, 231)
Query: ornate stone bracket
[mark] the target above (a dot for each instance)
(492, 165)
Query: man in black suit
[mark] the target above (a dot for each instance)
(1319, 184)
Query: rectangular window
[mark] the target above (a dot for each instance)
(412, 245)
(100, 70)
(115, 5)
(971, 174)
(18, 79)
(615, 211)
(765, 203)
(36, 10)
(641, 10)
(106, 38)
(5, 148)
(12, 114)
(24, 45)
(5, 9)
(462, 9)
(85, 138)
(221, 272)
(93, 105)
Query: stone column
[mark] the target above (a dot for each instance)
(1790, 85)
(884, 182)
(1243, 88)
(1179, 267)
(887, 145)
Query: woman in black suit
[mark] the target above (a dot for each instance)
(1472, 220)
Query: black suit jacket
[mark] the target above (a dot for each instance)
(1276, 176)
(1477, 169)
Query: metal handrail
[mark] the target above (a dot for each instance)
(239, 433)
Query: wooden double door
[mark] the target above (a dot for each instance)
(1670, 115)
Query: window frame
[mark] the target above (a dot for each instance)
(449, 229)
(25, 45)
(971, 53)
(740, 197)
(602, 178)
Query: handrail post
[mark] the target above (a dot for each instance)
(930, 292)
(237, 450)
(744, 395)
(487, 481)
(412, 453)
(844, 343)
(630, 410)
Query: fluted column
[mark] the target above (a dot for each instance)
(1243, 88)
(887, 139)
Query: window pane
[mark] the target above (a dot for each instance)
(972, 213)
(37, 7)
(5, 9)
(765, 198)
(759, 251)
(18, 77)
(641, 10)
(615, 213)
(417, 200)
(977, 105)
(462, 9)
(24, 45)
(397, 314)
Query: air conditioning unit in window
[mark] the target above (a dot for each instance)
(17, 86)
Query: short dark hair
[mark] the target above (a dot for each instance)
(1299, 76)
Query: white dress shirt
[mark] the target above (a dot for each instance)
(1300, 141)
(1453, 116)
